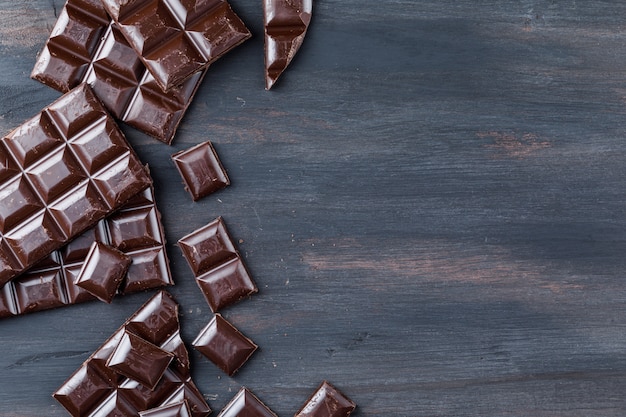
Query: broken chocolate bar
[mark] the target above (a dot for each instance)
(245, 403)
(327, 401)
(61, 172)
(175, 39)
(86, 46)
(286, 23)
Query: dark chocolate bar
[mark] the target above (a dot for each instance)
(201, 170)
(286, 23)
(61, 172)
(177, 38)
(224, 345)
(103, 271)
(245, 403)
(327, 401)
(98, 389)
(217, 265)
(135, 230)
(86, 46)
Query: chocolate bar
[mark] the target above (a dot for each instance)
(103, 271)
(201, 170)
(174, 38)
(86, 46)
(217, 265)
(135, 230)
(61, 172)
(224, 345)
(286, 23)
(327, 401)
(245, 403)
(101, 387)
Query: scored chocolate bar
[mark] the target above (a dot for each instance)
(86, 46)
(135, 230)
(146, 348)
(176, 38)
(61, 172)
(286, 23)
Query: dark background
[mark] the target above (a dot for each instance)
(431, 202)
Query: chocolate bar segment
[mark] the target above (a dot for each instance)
(103, 271)
(174, 410)
(65, 169)
(224, 345)
(245, 403)
(217, 266)
(327, 401)
(86, 46)
(96, 389)
(176, 38)
(286, 24)
(201, 170)
(51, 283)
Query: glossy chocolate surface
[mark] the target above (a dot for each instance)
(103, 271)
(62, 171)
(173, 410)
(135, 229)
(86, 46)
(327, 401)
(246, 404)
(217, 266)
(174, 38)
(286, 23)
(96, 389)
(224, 345)
(201, 170)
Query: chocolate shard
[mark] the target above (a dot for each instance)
(174, 39)
(62, 171)
(286, 23)
(245, 403)
(86, 46)
(103, 271)
(97, 389)
(327, 401)
(135, 230)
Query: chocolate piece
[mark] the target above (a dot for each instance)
(174, 410)
(245, 403)
(103, 271)
(201, 170)
(173, 38)
(217, 266)
(140, 360)
(50, 283)
(327, 401)
(97, 390)
(86, 46)
(63, 170)
(224, 345)
(286, 23)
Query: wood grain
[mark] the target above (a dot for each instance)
(432, 202)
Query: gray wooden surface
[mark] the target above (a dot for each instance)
(432, 202)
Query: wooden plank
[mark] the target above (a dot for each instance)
(431, 202)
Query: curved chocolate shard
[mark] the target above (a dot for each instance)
(286, 23)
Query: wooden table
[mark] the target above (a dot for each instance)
(432, 202)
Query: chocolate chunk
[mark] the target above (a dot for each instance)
(327, 401)
(97, 390)
(224, 345)
(245, 403)
(173, 410)
(50, 283)
(174, 39)
(217, 266)
(286, 23)
(86, 46)
(103, 271)
(63, 170)
(201, 170)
